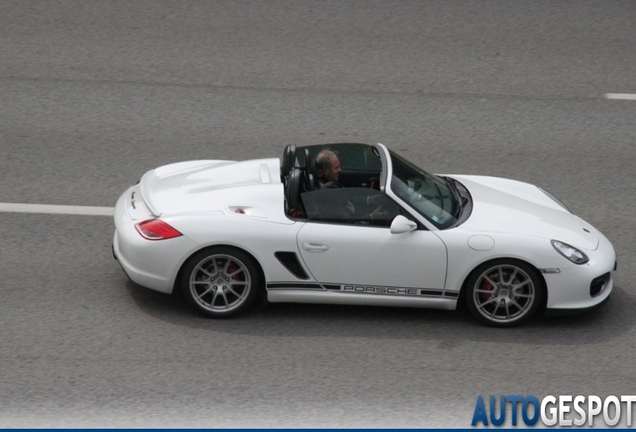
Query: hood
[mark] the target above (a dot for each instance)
(214, 185)
(509, 206)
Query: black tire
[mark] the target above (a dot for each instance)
(220, 282)
(504, 293)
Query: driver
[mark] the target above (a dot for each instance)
(326, 176)
(327, 170)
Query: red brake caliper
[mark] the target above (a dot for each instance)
(231, 268)
(487, 286)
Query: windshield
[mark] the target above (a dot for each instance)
(429, 195)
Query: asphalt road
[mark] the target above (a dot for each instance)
(94, 93)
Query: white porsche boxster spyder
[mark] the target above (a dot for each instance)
(225, 232)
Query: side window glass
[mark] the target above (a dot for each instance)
(351, 206)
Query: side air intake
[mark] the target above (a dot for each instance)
(289, 260)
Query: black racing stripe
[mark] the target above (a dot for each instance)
(412, 290)
(293, 285)
(334, 287)
(428, 292)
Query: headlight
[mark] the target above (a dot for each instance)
(555, 199)
(570, 252)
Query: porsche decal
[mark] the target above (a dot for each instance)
(380, 290)
(361, 289)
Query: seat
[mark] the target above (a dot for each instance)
(289, 158)
(292, 193)
(308, 179)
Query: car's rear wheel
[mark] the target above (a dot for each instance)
(504, 293)
(220, 281)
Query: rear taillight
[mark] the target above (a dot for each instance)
(155, 229)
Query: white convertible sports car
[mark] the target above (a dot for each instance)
(224, 232)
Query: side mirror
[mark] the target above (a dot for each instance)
(401, 225)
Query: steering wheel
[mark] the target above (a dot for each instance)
(373, 182)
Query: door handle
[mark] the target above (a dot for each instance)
(315, 247)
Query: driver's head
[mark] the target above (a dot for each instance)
(328, 165)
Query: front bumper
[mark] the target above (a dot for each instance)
(583, 287)
(556, 312)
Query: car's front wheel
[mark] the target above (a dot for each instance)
(220, 281)
(504, 293)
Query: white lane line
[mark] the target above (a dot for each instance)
(621, 96)
(56, 209)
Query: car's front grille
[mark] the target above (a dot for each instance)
(599, 284)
